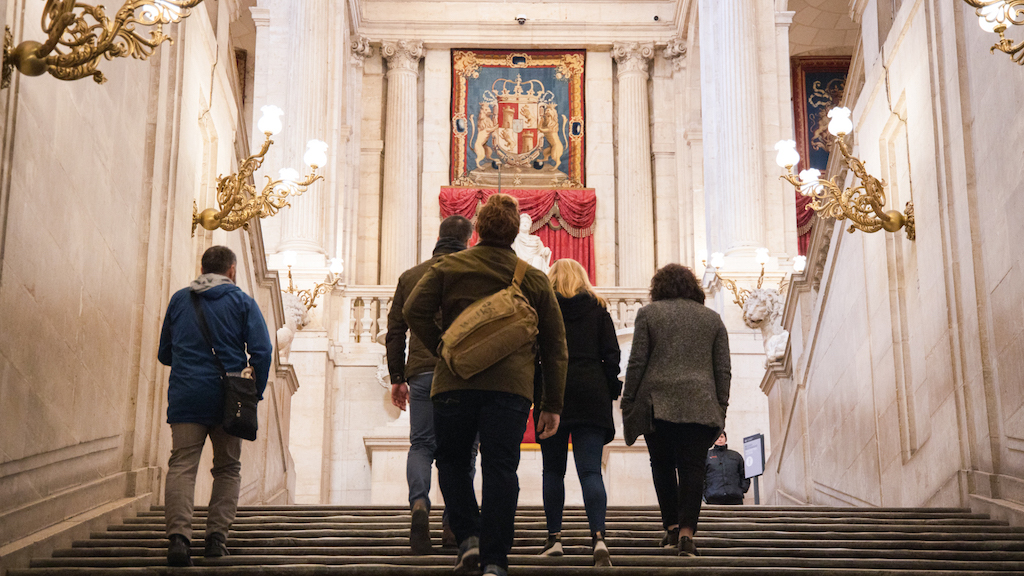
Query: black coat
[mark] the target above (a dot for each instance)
(724, 474)
(592, 379)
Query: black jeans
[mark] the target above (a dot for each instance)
(679, 449)
(500, 420)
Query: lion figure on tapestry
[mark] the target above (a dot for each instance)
(763, 310)
(296, 316)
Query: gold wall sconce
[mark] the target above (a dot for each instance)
(994, 16)
(740, 294)
(238, 199)
(75, 41)
(863, 205)
(309, 296)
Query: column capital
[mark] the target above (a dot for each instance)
(675, 53)
(403, 55)
(633, 57)
(361, 50)
(260, 16)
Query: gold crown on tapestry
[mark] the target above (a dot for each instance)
(535, 91)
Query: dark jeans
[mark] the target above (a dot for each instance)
(679, 449)
(422, 443)
(587, 448)
(500, 420)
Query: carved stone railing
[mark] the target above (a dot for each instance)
(623, 304)
(363, 314)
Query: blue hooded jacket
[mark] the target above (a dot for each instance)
(236, 325)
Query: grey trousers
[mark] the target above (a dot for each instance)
(179, 491)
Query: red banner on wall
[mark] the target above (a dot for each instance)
(562, 218)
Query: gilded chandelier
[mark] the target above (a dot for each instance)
(994, 16)
(864, 205)
(238, 199)
(740, 294)
(75, 41)
(309, 296)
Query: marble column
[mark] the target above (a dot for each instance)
(302, 225)
(733, 162)
(634, 200)
(399, 198)
(675, 53)
(360, 50)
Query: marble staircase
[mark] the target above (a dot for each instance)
(733, 540)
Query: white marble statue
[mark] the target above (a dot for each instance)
(530, 247)
(763, 310)
(295, 317)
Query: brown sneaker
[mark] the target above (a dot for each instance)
(601, 555)
(687, 547)
(419, 532)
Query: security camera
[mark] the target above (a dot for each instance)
(656, 18)
(521, 19)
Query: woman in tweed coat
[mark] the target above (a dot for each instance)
(676, 394)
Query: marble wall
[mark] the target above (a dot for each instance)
(902, 387)
(98, 185)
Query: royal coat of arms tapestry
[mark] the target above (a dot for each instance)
(517, 118)
(818, 86)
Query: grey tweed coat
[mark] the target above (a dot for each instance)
(679, 366)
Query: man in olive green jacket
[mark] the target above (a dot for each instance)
(494, 403)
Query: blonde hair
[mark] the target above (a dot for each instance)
(568, 278)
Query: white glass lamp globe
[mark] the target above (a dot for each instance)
(702, 255)
(788, 156)
(762, 256)
(337, 266)
(289, 257)
(316, 154)
(993, 17)
(799, 264)
(809, 181)
(717, 260)
(840, 122)
(270, 122)
(288, 177)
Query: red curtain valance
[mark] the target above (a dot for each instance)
(563, 218)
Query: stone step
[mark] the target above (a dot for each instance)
(574, 560)
(745, 540)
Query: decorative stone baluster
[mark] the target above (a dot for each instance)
(635, 194)
(399, 197)
(366, 334)
(733, 167)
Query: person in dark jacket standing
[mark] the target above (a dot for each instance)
(591, 383)
(676, 395)
(495, 402)
(195, 398)
(725, 479)
(410, 385)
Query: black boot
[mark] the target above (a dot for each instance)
(216, 546)
(179, 551)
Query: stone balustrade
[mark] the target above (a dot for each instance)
(364, 310)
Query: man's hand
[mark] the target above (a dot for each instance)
(400, 395)
(547, 425)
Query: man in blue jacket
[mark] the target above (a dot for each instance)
(195, 397)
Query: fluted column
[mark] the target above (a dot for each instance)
(302, 225)
(733, 167)
(399, 198)
(635, 204)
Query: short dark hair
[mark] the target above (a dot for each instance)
(498, 220)
(676, 281)
(217, 260)
(457, 227)
(724, 435)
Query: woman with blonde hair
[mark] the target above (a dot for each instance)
(590, 386)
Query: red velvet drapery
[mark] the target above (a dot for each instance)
(804, 221)
(563, 218)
